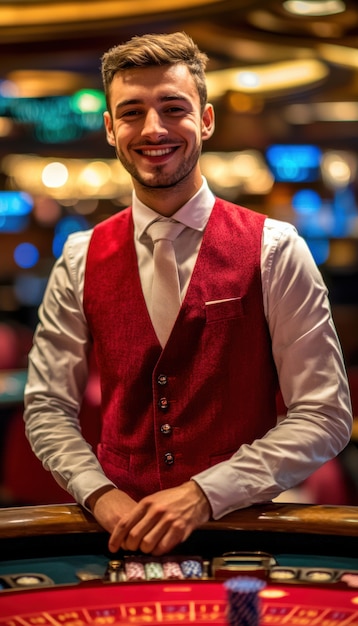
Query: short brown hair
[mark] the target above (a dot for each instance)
(154, 49)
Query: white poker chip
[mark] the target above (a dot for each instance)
(28, 580)
(282, 574)
(319, 576)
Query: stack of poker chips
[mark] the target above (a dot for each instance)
(243, 600)
(137, 568)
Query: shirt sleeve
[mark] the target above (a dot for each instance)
(312, 379)
(57, 378)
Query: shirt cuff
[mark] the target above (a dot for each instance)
(220, 485)
(87, 483)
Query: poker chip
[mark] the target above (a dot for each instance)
(350, 579)
(28, 580)
(283, 574)
(191, 569)
(153, 570)
(243, 600)
(319, 576)
(172, 571)
(143, 568)
(134, 570)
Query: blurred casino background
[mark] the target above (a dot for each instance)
(283, 76)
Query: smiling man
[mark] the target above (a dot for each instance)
(189, 423)
(157, 130)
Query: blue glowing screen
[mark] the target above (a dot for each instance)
(294, 163)
(15, 208)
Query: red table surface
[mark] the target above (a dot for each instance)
(201, 602)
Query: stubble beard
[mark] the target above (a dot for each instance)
(158, 179)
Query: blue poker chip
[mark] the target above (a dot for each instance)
(244, 584)
(191, 569)
(243, 600)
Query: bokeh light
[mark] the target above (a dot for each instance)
(26, 255)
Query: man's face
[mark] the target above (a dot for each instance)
(156, 125)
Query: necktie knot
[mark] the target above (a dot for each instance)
(164, 230)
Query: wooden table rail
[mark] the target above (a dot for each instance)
(269, 517)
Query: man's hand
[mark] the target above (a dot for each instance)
(110, 506)
(162, 520)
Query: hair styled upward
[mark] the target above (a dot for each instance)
(150, 50)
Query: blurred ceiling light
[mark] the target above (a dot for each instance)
(245, 164)
(336, 111)
(42, 83)
(67, 181)
(94, 176)
(339, 55)
(245, 103)
(340, 171)
(75, 180)
(55, 175)
(119, 175)
(317, 27)
(249, 80)
(232, 173)
(314, 8)
(261, 184)
(62, 12)
(321, 112)
(24, 171)
(266, 78)
(339, 168)
(214, 37)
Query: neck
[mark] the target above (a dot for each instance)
(167, 201)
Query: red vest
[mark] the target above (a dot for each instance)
(170, 414)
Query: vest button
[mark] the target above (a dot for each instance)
(166, 429)
(163, 404)
(169, 458)
(162, 379)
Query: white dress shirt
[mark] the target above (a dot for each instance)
(305, 348)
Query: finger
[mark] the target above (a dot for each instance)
(123, 527)
(164, 537)
(151, 525)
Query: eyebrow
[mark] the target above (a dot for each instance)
(136, 101)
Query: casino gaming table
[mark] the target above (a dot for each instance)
(56, 570)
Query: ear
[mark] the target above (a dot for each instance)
(109, 128)
(208, 122)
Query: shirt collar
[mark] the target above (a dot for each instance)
(194, 213)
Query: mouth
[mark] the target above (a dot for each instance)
(157, 152)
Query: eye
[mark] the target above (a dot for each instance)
(175, 110)
(130, 113)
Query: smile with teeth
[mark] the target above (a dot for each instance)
(157, 152)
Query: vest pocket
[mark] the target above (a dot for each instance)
(108, 457)
(229, 308)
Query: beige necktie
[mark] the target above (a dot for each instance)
(165, 303)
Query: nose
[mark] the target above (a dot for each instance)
(153, 125)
